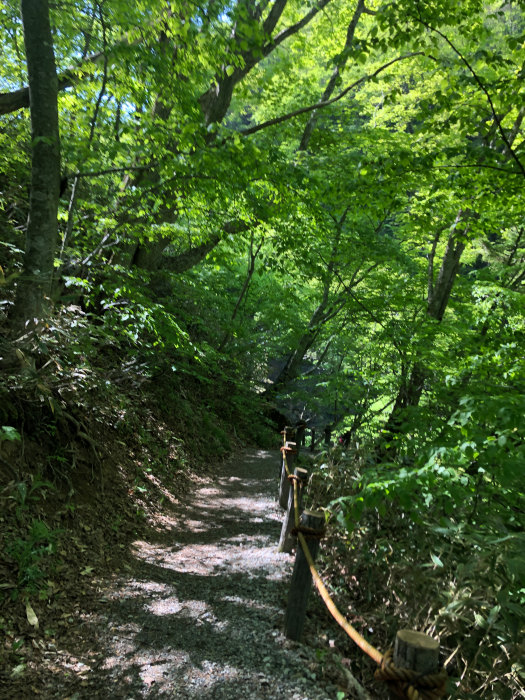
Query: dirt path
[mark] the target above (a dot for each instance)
(200, 612)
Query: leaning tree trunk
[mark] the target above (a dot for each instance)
(42, 226)
(412, 386)
(336, 74)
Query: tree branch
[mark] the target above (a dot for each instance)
(215, 102)
(325, 103)
(330, 87)
(108, 171)
(482, 87)
(274, 15)
(19, 99)
(516, 246)
(193, 256)
(430, 285)
(285, 33)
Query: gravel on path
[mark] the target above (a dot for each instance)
(200, 612)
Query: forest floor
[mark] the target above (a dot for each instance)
(195, 611)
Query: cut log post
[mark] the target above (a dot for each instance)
(416, 651)
(284, 484)
(287, 540)
(301, 583)
(412, 669)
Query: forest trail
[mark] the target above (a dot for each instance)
(199, 613)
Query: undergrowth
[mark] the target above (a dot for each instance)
(398, 562)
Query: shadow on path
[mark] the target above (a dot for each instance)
(200, 613)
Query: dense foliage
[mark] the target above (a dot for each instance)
(310, 207)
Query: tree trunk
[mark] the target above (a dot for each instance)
(305, 342)
(252, 256)
(336, 73)
(440, 292)
(411, 388)
(42, 227)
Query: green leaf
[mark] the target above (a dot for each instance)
(7, 432)
(31, 616)
(437, 561)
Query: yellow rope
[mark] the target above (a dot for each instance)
(284, 450)
(410, 684)
(405, 682)
(296, 503)
(323, 592)
(361, 642)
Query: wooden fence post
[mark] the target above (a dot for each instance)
(285, 438)
(416, 651)
(287, 541)
(302, 578)
(412, 666)
(284, 484)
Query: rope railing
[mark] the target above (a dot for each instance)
(411, 668)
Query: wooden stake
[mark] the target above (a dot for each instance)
(288, 434)
(287, 541)
(284, 484)
(301, 582)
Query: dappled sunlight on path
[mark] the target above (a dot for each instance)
(200, 612)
